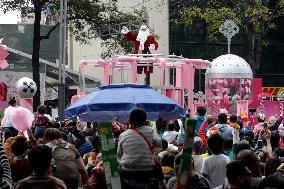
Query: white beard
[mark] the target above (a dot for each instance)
(142, 37)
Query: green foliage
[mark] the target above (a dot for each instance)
(255, 18)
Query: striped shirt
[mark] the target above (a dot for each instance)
(6, 180)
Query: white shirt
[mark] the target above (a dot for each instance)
(198, 162)
(215, 167)
(6, 121)
(170, 136)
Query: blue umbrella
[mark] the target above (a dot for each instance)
(116, 102)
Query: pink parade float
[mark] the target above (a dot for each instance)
(130, 66)
(185, 69)
(229, 81)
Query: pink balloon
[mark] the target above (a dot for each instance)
(22, 118)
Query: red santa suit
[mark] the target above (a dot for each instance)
(150, 40)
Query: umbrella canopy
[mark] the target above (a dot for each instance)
(116, 102)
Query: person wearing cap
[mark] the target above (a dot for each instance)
(197, 157)
(259, 125)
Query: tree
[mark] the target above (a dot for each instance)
(255, 17)
(84, 16)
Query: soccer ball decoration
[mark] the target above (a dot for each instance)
(26, 87)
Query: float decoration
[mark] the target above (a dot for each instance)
(229, 30)
(228, 80)
(26, 89)
(22, 118)
(3, 54)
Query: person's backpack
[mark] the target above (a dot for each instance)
(65, 165)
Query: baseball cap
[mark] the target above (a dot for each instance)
(197, 144)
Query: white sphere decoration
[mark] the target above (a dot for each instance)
(26, 87)
(229, 66)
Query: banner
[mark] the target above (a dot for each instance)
(242, 109)
(272, 90)
(109, 155)
(224, 93)
(186, 159)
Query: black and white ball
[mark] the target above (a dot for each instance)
(26, 87)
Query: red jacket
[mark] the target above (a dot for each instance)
(202, 133)
(150, 40)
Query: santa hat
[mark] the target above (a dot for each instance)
(144, 27)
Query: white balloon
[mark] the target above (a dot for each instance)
(26, 87)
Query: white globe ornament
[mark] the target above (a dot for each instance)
(26, 87)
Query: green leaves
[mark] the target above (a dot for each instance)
(252, 17)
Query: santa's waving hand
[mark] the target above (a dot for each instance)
(143, 41)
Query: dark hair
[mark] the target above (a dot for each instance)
(168, 160)
(51, 134)
(274, 140)
(272, 181)
(41, 109)
(271, 165)
(12, 101)
(137, 117)
(40, 159)
(161, 125)
(164, 143)
(222, 118)
(201, 110)
(177, 127)
(250, 134)
(215, 143)
(247, 157)
(234, 169)
(233, 118)
(241, 146)
(19, 146)
(240, 123)
(171, 127)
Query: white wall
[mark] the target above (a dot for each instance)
(158, 22)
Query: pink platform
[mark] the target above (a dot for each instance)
(185, 71)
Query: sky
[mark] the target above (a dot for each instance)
(9, 17)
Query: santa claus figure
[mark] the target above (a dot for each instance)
(143, 44)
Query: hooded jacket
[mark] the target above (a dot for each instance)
(225, 131)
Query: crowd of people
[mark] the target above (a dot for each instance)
(226, 153)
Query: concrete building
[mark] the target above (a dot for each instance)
(158, 13)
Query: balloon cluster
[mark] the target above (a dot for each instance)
(22, 118)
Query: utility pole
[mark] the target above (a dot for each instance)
(62, 59)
